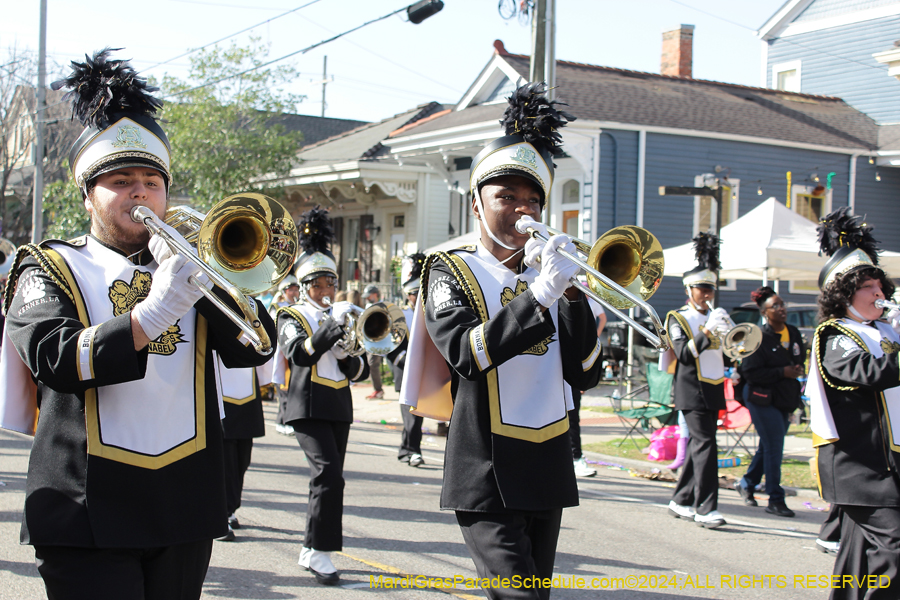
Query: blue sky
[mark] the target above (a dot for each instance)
(393, 65)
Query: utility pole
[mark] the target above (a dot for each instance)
(551, 49)
(324, 81)
(40, 116)
(716, 193)
(539, 41)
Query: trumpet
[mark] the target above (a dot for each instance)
(624, 267)
(378, 329)
(246, 244)
(886, 304)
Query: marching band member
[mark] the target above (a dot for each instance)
(287, 295)
(319, 406)
(411, 440)
(854, 395)
(699, 385)
(110, 340)
(511, 333)
(243, 421)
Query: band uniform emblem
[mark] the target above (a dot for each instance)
(889, 347)
(125, 296)
(526, 156)
(129, 137)
(507, 296)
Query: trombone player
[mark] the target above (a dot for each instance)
(124, 490)
(513, 333)
(699, 385)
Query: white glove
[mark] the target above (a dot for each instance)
(526, 221)
(339, 353)
(533, 249)
(340, 310)
(556, 271)
(893, 317)
(717, 321)
(171, 296)
(160, 249)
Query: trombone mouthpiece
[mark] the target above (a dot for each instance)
(521, 226)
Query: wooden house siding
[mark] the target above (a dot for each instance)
(838, 62)
(617, 180)
(438, 211)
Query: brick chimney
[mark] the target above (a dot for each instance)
(677, 52)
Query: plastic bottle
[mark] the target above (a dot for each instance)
(731, 461)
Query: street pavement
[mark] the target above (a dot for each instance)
(619, 539)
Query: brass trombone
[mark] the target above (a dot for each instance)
(623, 268)
(246, 244)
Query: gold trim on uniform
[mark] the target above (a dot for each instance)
(816, 339)
(240, 401)
(86, 353)
(587, 363)
(686, 327)
(498, 427)
(314, 372)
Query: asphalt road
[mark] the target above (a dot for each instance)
(620, 539)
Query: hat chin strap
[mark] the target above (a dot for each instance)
(852, 309)
(484, 222)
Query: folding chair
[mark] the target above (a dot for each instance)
(736, 424)
(637, 418)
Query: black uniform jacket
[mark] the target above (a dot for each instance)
(690, 392)
(76, 499)
(488, 472)
(306, 398)
(859, 468)
(245, 420)
(397, 358)
(765, 367)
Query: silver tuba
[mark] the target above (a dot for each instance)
(246, 244)
(376, 330)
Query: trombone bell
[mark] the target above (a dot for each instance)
(630, 256)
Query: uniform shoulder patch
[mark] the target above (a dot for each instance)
(846, 344)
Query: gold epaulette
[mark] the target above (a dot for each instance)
(818, 352)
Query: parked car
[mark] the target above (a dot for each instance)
(801, 316)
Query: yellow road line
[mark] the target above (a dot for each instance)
(399, 573)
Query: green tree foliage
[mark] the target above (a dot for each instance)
(64, 207)
(229, 133)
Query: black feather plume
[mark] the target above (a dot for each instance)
(418, 261)
(534, 117)
(315, 231)
(100, 87)
(706, 249)
(839, 228)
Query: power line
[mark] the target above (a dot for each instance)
(293, 10)
(220, 5)
(303, 51)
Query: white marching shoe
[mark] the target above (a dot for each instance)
(582, 469)
(710, 520)
(319, 564)
(680, 511)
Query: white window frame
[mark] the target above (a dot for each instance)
(804, 286)
(791, 65)
(730, 285)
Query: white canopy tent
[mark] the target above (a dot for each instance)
(771, 242)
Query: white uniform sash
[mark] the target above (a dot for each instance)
(871, 340)
(528, 396)
(710, 365)
(160, 418)
(326, 371)
(238, 385)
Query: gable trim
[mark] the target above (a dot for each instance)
(782, 19)
(498, 63)
(846, 19)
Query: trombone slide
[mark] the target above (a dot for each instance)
(886, 304)
(250, 324)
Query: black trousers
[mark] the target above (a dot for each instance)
(169, 573)
(831, 528)
(237, 461)
(325, 445)
(870, 545)
(575, 424)
(508, 544)
(698, 485)
(411, 440)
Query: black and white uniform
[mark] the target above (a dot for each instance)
(509, 363)
(320, 409)
(411, 438)
(700, 395)
(127, 450)
(854, 390)
(243, 421)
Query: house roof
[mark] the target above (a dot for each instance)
(316, 129)
(363, 142)
(633, 98)
(889, 138)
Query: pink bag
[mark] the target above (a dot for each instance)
(664, 443)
